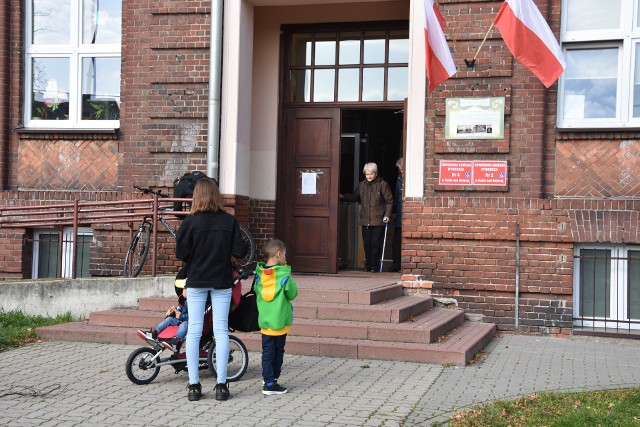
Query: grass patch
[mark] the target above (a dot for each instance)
(597, 408)
(16, 328)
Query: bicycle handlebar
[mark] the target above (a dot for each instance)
(148, 190)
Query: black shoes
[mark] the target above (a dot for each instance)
(274, 388)
(222, 392)
(194, 392)
(172, 344)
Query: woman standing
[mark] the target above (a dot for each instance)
(206, 240)
(376, 202)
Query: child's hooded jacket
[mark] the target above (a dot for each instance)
(275, 289)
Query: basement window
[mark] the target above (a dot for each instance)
(53, 253)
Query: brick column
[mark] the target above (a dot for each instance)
(5, 49)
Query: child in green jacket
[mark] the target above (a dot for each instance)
(275, 289)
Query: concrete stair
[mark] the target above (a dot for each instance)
(364, 317)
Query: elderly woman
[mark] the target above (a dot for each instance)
(376, 203)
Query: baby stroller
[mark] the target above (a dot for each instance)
(143, 365)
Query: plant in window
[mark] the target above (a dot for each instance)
(104, 110)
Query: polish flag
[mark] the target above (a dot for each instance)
(530, 40)
(440, 64)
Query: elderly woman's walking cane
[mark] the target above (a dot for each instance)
(384, 243)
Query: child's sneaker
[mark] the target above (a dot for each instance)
(194, 392)
(145, 335)
(274, 388)
(222, 391)
(172, 344)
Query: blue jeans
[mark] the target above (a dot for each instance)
(172, 321)
(220, 302)
(272, 356)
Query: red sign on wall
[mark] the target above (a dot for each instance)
(489, 173)
(473, 172)
(455, 173)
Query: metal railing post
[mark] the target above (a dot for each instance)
(154, 235)
(74, 246)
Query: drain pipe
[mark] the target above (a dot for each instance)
(215, 82)
(517, 320)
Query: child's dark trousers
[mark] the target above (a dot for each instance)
(272, 356)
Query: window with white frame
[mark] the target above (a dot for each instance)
(54, 258)
(607, 286)
(72, 67)
(600, 87)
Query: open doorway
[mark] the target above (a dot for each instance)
(371, 135)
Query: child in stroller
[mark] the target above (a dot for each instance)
(143, 365)
(177, 316)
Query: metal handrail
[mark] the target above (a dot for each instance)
(80, 213)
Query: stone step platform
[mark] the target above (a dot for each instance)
(356, 316)
(458, 347)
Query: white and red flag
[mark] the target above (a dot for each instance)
(440, 64)
(530, 40)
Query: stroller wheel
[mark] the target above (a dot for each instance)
(238, 359)
(141, 367)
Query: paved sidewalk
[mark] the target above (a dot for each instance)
(82, 384)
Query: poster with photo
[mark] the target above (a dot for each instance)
(475, 118)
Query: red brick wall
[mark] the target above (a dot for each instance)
(262, 223)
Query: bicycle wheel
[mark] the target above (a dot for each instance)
(238, 359)
(137, 252)
(141, 369)
(248, 239)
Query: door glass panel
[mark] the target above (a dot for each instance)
(595, 282)
(633, 278)
(349, 49)
(372, 84)
(101, 88)
(300, 86)
(49, 20)
(590, 89)
(348, 87)
(587, 15)
(301, 49)
(50, 94)
(325, 49)
(323, 85)
(374, 43)
(397, 83)
(101, 21)
(399, 47)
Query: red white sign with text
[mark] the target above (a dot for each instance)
(489, 173)
(455, 173)
(473, 172)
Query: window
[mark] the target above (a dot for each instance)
(73, 64)
(348, 66)
(46, 253)
(600, 87)
(607, 287)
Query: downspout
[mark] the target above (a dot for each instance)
(517, 302)
(5, 93)
(215, 82)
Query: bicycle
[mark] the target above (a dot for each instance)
(139, 246)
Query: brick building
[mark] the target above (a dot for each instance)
(104, 95)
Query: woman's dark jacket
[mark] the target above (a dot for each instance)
(376, 201)
(206, 242)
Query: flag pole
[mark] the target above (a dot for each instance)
(453, 37)
(483, 40)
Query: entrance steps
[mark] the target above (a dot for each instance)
(355, 316)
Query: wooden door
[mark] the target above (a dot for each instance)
(308, 187)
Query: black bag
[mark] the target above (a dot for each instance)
(183, 187)
(244, 317)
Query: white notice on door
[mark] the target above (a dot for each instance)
(309, 183)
